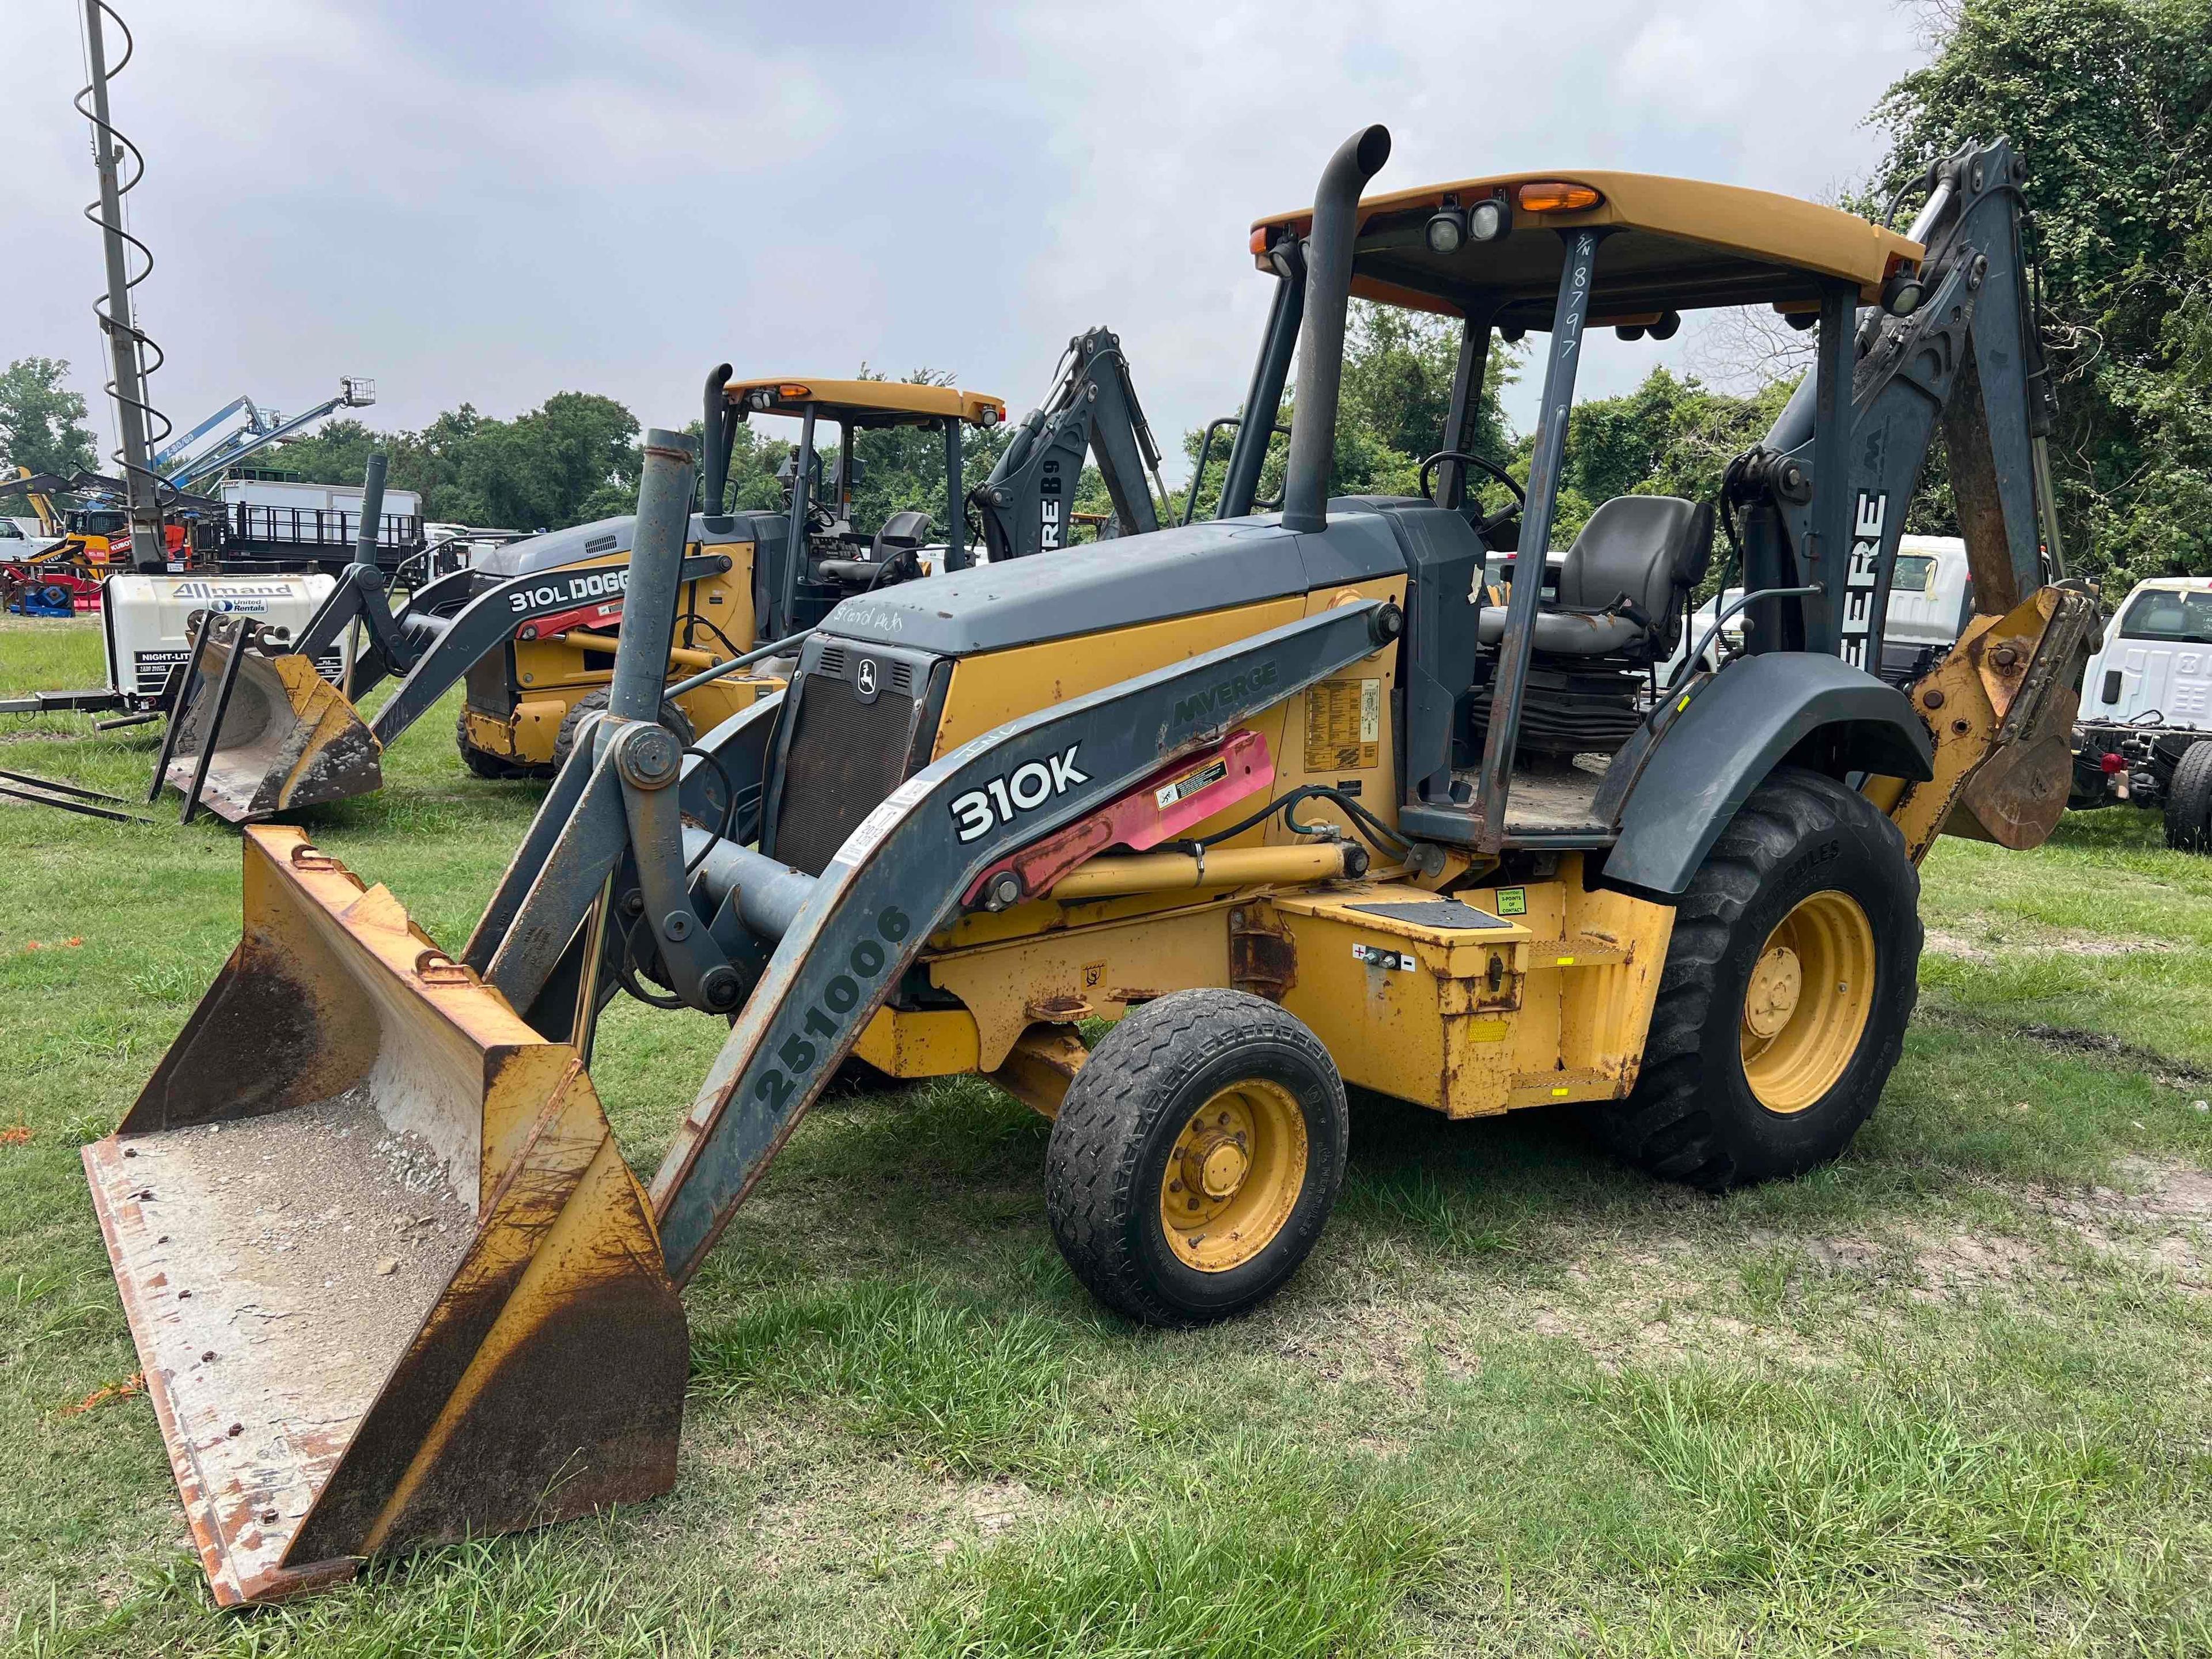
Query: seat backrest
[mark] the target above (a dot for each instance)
(1630, 545)
(901, 531)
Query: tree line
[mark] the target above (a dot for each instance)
(2107, 99)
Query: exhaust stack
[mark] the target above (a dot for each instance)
(1321, 340)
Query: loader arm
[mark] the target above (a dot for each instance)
(490, 619)
(902, 875)
(1025, 505)
(284, 738)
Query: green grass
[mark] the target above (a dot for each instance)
(1951, 1396)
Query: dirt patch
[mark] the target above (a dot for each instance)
(2165, 1224)
(1988, 953)
(2161, 1223)
(1950, 945)
(980, 1513)
(1969, 1262)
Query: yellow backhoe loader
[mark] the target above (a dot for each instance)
(1280, 795)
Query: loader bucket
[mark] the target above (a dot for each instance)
(390, 1279)
(285, 738)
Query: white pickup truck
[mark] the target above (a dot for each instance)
(2146, 709)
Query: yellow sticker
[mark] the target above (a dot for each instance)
(1556, 1093)
(1565, 962)
(1343, 726)
(1513, 900)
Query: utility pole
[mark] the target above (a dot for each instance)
(147, 551)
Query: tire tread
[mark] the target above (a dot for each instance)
(1098, 1139)
(1664, 1126)
(2189, 801)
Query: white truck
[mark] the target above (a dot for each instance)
(2147, 710)
(284, 523)
(1931, 597)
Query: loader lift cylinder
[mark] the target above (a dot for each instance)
(372, 508)
(664, 516)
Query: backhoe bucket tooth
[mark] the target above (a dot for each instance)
(390, 1279)
(287, 737)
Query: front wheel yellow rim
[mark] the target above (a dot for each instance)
(1810, 996)
(1234, 1176)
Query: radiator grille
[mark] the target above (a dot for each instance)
(845, 756)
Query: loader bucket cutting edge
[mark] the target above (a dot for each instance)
(289, 738)
(389, 1280)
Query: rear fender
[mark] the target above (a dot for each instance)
(1732, 731)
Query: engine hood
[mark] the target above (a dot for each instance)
(1118, 584)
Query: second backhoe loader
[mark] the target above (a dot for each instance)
(1278, 795)
(532, 625)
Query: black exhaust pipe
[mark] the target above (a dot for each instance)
(717, 439)
(1321, 340)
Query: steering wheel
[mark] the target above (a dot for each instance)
(1505, 514)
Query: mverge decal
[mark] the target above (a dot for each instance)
(1229, 696)
(1001, 799)
(553, 595)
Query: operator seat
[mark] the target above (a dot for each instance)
(1620, 584)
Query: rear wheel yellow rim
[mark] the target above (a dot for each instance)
(1806, 1006)
(1234, 1176)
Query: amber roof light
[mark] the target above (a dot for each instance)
(1555, 196)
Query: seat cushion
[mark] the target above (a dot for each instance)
(1566, 633)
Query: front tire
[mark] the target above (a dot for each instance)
(481, 762)
(594, 702)
(1196, 1157)
(2189, 801)
(1788, 982)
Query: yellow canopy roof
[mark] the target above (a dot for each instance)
(871, 402)
(1674, 243)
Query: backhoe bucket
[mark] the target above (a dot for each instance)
(285, 737)
(2029, 665)
(390, 1279)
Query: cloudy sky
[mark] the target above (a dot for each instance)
(490, 204)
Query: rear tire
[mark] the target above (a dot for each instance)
(595, 702)
(1217, 1110)
(1770, 1040)
(2189, 801)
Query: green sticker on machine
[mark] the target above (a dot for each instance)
(1513, 900)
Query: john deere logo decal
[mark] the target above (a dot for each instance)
(866, 677)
